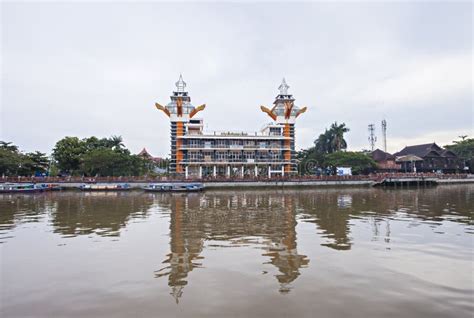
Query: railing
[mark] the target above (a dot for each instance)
(234, 160)
(236, 147)
(371, 177)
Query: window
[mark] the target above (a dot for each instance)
(207, 155)
(275, 131)
(235, 144)
(193, 156)
(235, 156)
(249, 155)
(221, 156)
(193, 143)
(275, 155)
(249, 144)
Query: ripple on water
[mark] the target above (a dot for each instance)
(373, 252)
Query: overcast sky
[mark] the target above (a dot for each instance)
(83, 69)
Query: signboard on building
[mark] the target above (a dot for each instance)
(344, 171)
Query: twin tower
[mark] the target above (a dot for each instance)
(196, 153)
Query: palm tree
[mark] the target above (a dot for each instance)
(337, 136)
(116, 142)
(8, 146)
(323, 143)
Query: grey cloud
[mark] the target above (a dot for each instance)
(96, 69)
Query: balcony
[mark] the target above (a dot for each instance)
(210, 160)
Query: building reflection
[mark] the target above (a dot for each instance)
(185, 246)
(268, 219)
(16, 209)
(283, 252)
(264, 219)
(101, 213)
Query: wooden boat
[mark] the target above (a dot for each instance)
(49, 187)
(174, 187)
(19, 188)
(105, 187)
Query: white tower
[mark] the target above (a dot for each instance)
(384, 135)
(372, 137)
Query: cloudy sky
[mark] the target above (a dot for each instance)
(82, 69)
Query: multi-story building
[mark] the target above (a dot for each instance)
(197, 153)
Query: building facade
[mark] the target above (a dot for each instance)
(429, 158)
(196, 153)
(385, 161)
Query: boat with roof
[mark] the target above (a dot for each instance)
(19, 188)
(105, 187)
(174, 187)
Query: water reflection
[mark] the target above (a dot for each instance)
(104, 214)
(19, 209)
(266, 220)
(263, 220)
(73, 214)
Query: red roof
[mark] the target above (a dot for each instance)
(144, 153)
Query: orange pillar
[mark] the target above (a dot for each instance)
(179, 152)
(287, 153)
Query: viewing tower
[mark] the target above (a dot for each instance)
(284, 113)
(196, 153)
(180, 111)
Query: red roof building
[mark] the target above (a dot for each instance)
(146, 155)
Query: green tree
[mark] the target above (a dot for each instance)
(8, 146)
(110, 162)
(359, 162)
(116, 142)
(464, 148)
(337, 136)
(324, 143)
(68, 152)
(10, 162)
(105, 162)
(309, 159)
(332, 139)
(36, 162)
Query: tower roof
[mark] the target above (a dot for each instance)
(180, 91)
(180, 84)
(283, 87)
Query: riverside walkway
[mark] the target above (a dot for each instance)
(294, 181)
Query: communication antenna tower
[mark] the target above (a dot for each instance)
(372, 137)
(384, 134)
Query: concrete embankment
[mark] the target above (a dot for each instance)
(269, 184)
(278, 184)
(452, 181)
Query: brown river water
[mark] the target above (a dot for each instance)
(327, 252)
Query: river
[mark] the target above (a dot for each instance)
(327, 252)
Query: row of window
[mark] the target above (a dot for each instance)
(224, 156)
(231, 144)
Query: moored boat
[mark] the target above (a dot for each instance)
(19, 188)
(49, 187)
(173, 187)
(105, 187)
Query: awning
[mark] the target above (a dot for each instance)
(408, 158)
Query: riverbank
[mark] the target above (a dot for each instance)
(234, 184)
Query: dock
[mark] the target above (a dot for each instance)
(406, 182)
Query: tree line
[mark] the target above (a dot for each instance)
(94, 156)
(464, 148)
(90, 156)
(329, 152)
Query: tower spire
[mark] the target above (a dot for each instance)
(180, 84)
(283, 87)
